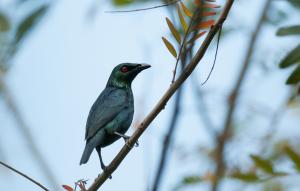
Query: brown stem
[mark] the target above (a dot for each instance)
(234, 95)
(163, 101)
(25, 176)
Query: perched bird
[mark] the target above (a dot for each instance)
(112, 112)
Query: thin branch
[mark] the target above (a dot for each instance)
(25, 131)
(216, 53)
(233, 98)
(25, 176)
(170, 132)
(144, 9)
(163, 101)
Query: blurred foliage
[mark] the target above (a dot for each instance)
(14, 30)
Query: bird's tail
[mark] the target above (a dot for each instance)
(86, 154)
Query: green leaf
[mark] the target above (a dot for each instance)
(191, 180)
(173, 30)
(182, 20)
(170, 47)
(295, 3)
(291, 58)
(28, 23)
(4, 23)
(295, 157)
(122, 2)
(294, 77)
(290, 30)
(264, 164)
(246, 177)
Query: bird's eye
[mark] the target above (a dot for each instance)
(124, 69)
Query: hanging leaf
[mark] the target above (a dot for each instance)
(182, 21)
(186, 11)
(290, 30)
(211, 0)
(246, 177)
(170, 47)
(205, 24)
(198, 3)
(295, 157)
(294, 77)
(196, 37)
(291, 58)
(27, 24)
(173, 30)
(206, 14)
(212, 6)
(122, 2)
(68, 188)
(4, 23)
(263, 164)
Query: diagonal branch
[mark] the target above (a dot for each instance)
(24, 175)
(163, 101)
(233, 98)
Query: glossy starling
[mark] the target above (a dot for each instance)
(112, 112)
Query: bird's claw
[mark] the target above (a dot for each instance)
(136, 144)
(104, 168)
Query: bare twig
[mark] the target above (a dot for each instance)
(225, 135)
(163, 101)
(170, 132)
(25, 131)
(144, 9)
(25, 176)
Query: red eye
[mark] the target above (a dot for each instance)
(124, 69)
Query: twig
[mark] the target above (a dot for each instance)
(225, 135)
(216, 53)
(144, 9)
(25, 176)
(170, 132)
(163, 101)
(25, 131)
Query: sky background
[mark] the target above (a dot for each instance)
(64, 65)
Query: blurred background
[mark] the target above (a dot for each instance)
(239, 131)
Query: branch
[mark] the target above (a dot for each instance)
(233, 98)
(144, 9)
(163, 101)
(25, 176)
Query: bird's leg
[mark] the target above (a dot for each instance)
(98, 149)
(126, 137)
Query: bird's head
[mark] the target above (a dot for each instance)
(123, 74)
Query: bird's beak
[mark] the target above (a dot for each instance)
(143, 66)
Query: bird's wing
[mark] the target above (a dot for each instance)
(109, 103)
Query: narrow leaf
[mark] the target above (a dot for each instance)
(246, 177)
(27, 24)
(295, 157)
(4, 23)
(263, 164)
(198, 3)
(173, 30)
(205, 24)
(206, 14)
(211, 0)
(208, 5)
(186, 11)
(170, 47)
(68, 188)
(182, 21)
(290, 30)
(294, 77)
(291, 58)
(196, 37)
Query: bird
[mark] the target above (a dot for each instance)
(111, 114)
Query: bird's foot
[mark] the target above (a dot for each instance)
(136, 144)
(104, 168)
